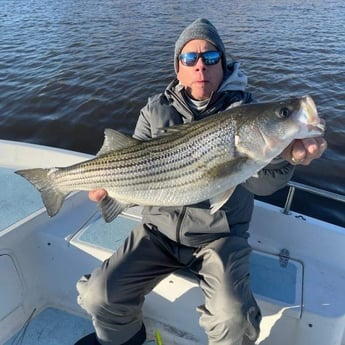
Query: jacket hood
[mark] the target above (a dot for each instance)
(234, 79)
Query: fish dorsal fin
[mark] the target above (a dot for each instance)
(114, 140)
(219, 200)
(111, 208)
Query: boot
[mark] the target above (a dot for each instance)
(90, 339)
(138, 339)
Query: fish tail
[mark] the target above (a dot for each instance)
(42, 179)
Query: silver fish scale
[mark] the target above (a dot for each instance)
(175, 164)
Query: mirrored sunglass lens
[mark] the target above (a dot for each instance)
(211, 58)
(188, 59)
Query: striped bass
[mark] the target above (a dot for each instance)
(188, 164)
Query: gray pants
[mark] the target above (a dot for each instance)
(114, 293)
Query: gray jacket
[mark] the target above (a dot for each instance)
(193, 225)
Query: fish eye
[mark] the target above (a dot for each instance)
(284, 113)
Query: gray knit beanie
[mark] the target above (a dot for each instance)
(200, 29)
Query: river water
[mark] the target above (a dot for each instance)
(70, 68)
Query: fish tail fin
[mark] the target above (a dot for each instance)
(42, 179)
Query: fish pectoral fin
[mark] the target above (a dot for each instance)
(219, 200)
(111, 208)
(114, 140)
(223, 169)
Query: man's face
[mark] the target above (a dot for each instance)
(200, 80)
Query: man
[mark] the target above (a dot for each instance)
(212, 247)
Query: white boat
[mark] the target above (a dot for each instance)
(297, 267)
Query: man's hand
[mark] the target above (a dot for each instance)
(303, 151)
(97, 195)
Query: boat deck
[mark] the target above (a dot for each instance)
(18, 199)
(52, 327)
(56, 327)
(275, 286)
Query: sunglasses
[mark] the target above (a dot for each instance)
(209, 58)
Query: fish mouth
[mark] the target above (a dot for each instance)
(309, 116)
(320, 126)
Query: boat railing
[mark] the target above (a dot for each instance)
(310, 189)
